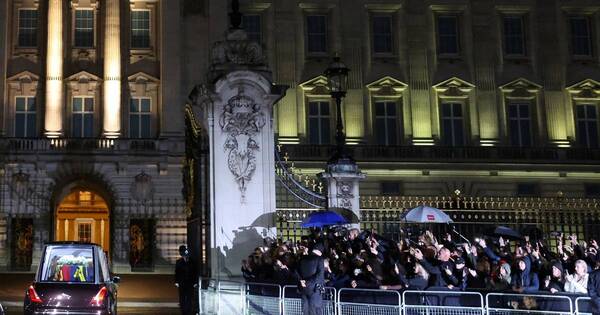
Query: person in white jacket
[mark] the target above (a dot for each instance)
(578, 282)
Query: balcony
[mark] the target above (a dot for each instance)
(496, 154)
(89, 146)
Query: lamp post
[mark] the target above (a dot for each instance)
(342, 174)
(337, 79)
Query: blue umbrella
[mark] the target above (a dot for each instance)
(323, 218)
(426, 214)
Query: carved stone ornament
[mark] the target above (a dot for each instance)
(344, 194)
(241, 121)
(142, 188)
(237, 52)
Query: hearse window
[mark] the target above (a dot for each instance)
(68, 264)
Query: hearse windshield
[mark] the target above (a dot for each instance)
(68, 264)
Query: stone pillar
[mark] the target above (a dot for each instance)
(3, 61)
(343, 183)
(237, 114)
(54, 70)
(171, 120)
(112, 71)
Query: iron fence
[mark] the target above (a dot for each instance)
(472, 216)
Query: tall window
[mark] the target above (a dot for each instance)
(448, 41)
(382, 34)
(140, 29)
(85, 232)
(139, 117)
(83, 117)
(453, 133)
(84, 28)
(386, 119)
(514, 35)
(587, 125)
(316, 33)
(519, 124)
(25, 126)
(319, 122)
(581, 36)
(28, 22)
(252, 26)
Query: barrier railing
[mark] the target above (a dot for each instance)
(230, 297)
(292, 302)
(442, 303)
(583, 306)
(364, 301)
(506, 304)
(263, 299)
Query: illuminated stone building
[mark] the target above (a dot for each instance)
(495, 99)
(489, 98)
(91, 125)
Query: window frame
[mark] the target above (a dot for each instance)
(585, 120)
(150, 30)
(83, 113)
(260, 26)
(397, 118)
(93, 30)
(465, 135)
(26, 113)
(523, 18)
(326, 33)
(446, 55)
(590, 27)
(390, 16)
(139, 116)
(519, 102)
(331, 119)
(36, 30)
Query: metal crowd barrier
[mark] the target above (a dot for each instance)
(229, 297)
(263, 299)
(292, 303)
(445, 302)
(364, 301)
(507, 304)
(583, 306)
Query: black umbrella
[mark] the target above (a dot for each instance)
(506, 232)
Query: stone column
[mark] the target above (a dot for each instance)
(241, 169)
(112, 71)
(343, 187)
(3, 62)
(54, 70)
(171, 119)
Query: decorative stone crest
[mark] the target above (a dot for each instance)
(344, 193)
(242, 119)
(142, 188)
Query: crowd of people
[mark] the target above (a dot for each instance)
(364, 259)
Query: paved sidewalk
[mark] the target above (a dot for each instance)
(136, 291)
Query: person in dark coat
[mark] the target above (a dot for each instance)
(523, 280)
(441, 271)
(185, 280)
(594, 291)
(311, 276)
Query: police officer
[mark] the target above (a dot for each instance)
(311, 280)
(185, 280)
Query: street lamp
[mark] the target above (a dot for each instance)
(337, 79)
